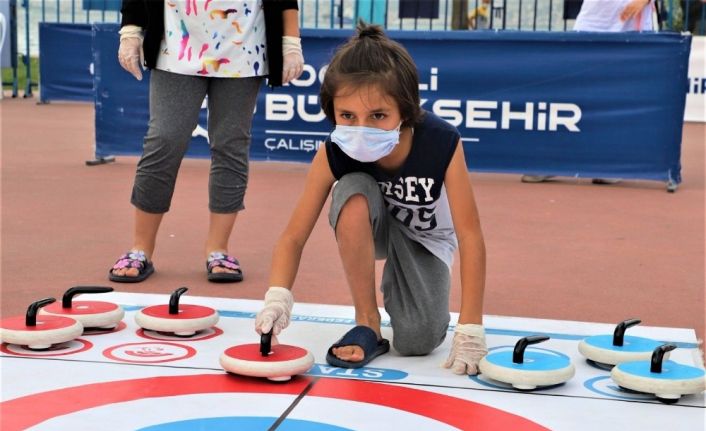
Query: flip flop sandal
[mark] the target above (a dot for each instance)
(361, 336)
(223, 260)
(132, 259)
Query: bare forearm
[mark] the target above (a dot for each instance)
(472, 251)
(285, 263)
(291, 22)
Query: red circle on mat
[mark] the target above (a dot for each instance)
(87, 332)
(149, 353)
(82, 307)
(456, 412)
(44, 323)
(61, 349)
(185, 312)
(213, 331)
(279, 352)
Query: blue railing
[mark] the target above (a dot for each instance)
(421, 15)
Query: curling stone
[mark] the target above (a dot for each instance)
(181, 320)
(91, 314)
(667, 380)
(39, 332)
(527, 370)
(278, 363)
(611, 350)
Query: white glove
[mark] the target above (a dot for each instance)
(467, 350)
(276, 312)
(130, 53)
(293, 59)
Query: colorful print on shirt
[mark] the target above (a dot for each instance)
(215, 38)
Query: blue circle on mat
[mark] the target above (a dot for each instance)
(670, 370)
(604, 385)
(630, 343)
(242, 422)
(533, 361)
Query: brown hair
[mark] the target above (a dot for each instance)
(371, 58)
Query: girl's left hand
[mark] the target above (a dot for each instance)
(467, 350)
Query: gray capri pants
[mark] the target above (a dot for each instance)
(415, 283)
(175, 103)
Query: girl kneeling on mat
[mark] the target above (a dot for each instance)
(401, 192)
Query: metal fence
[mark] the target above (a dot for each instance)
(415, 15)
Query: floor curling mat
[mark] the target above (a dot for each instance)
(130, 378)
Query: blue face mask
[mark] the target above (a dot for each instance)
(366, 144)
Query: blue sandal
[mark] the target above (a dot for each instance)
(132, 259)
(361, 336)
(223, 260)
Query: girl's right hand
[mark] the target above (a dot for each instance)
(277, 311)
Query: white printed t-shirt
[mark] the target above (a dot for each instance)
(214, 38)
(604, 15)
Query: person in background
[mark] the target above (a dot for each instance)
(608, 16)
(615, 15)
(479, 17)
(693, 12)
(401, 192)
(222, 50)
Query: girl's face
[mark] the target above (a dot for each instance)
(366, 106)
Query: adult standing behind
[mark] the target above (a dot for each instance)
(223, 50)
(608, 16)
(615, 15)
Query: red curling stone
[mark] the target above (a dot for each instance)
(91, 314)
(181, 320)
(39, 332)
(279, 362)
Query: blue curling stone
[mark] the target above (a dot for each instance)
(670, 370)
(533, 361)
(538, 368)
(600, 348)
(668, 386)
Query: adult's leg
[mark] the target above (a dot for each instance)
(359, 219)
(175, 102)
(231, 104)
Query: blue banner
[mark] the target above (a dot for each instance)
(573, 104)
(122, 102)
(65, 68)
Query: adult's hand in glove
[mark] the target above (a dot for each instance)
(130, 54)
(467, 350)
(293, 59)
(276, 312)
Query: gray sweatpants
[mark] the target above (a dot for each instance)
(175, 103)
(415, 283)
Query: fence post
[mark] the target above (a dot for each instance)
(459, 15)
(27, 61)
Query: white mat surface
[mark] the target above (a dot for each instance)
(590, 400)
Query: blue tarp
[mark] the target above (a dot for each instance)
(66, 62)
(573, 104)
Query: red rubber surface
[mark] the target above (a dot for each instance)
(185, 312)
(279, 353)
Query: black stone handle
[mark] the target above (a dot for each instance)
(31, 316)
(619, 333)
(658, 356)
(518, 355)
(266, 343)
(69, 294)
(174, 300)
